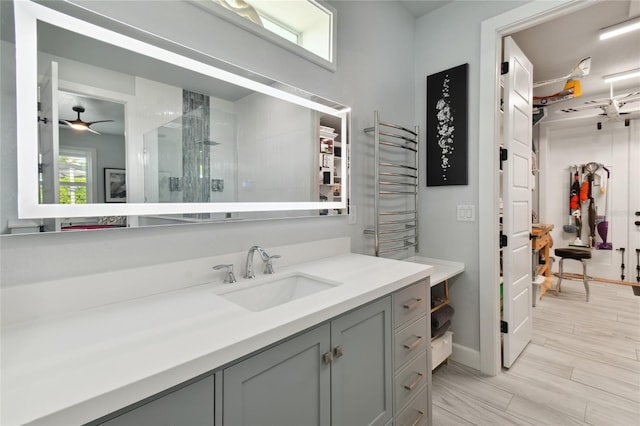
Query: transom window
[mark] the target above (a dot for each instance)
(305, 23)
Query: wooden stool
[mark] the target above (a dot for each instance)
(574, 254)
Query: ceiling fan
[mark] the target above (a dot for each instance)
(611, 107)
(79, 124)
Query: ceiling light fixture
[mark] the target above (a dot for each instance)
(625, 75)
(621, 28)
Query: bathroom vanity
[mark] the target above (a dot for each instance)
(355, 352)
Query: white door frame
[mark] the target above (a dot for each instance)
(492, 31)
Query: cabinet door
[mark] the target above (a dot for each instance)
(362, 371)
(287, 385)
(188, 406)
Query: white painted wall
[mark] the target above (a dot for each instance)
(445, 38)
(374, 72)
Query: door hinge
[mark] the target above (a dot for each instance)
(40, 168)
(503, 156)
(503, 240)
(504, 327)
(504, 68)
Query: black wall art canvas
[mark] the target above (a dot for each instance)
(447, 127)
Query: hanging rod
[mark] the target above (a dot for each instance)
(398, 174)
(397, 222)
(398, 212)
(391, 231)
(395, 240)
(406, 246)
(396, 192)
(398, 183)
(396, 145)
(394, 126)
(404, 166)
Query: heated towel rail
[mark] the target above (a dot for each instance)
(396, 187)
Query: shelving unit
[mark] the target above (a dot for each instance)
(329, 161)
(441, 301)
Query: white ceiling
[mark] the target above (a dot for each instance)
(555, 47)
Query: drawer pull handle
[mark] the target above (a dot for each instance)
(413, 384)
(327, 358)
(410, 306)
(415, 343)
(417, 421)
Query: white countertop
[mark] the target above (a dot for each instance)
(442, 269)
(76, 367)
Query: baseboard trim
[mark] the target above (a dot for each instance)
(466, 356)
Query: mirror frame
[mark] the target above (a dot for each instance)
(27, 14)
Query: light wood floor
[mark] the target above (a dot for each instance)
(581, 368)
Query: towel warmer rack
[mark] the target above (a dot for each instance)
(396, 185)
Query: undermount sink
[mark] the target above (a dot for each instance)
(269, 292)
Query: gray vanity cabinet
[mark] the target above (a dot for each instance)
(362, 368)
(337, 374)
(191, 405)
(288, 384)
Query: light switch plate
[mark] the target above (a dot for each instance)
(466, 213)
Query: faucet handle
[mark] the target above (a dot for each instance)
(230, 276)
(268, 265)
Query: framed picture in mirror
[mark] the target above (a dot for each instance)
(115, 186)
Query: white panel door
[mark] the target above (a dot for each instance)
(48, 142)
(517, 312)
(634, 203)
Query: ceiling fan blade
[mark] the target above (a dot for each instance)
(93, 131)
(89, 123)
(580, 108)
(65, 122)
(627, 97)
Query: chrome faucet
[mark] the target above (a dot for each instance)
(268, 265)
(229, 277)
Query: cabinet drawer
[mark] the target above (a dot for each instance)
(415, 414)
(411, 380)
(441, 348)
(409, 303)
(411, 341)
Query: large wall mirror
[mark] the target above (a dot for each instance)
(130, 133)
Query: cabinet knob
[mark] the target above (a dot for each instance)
(327, 358)
(338, 351)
